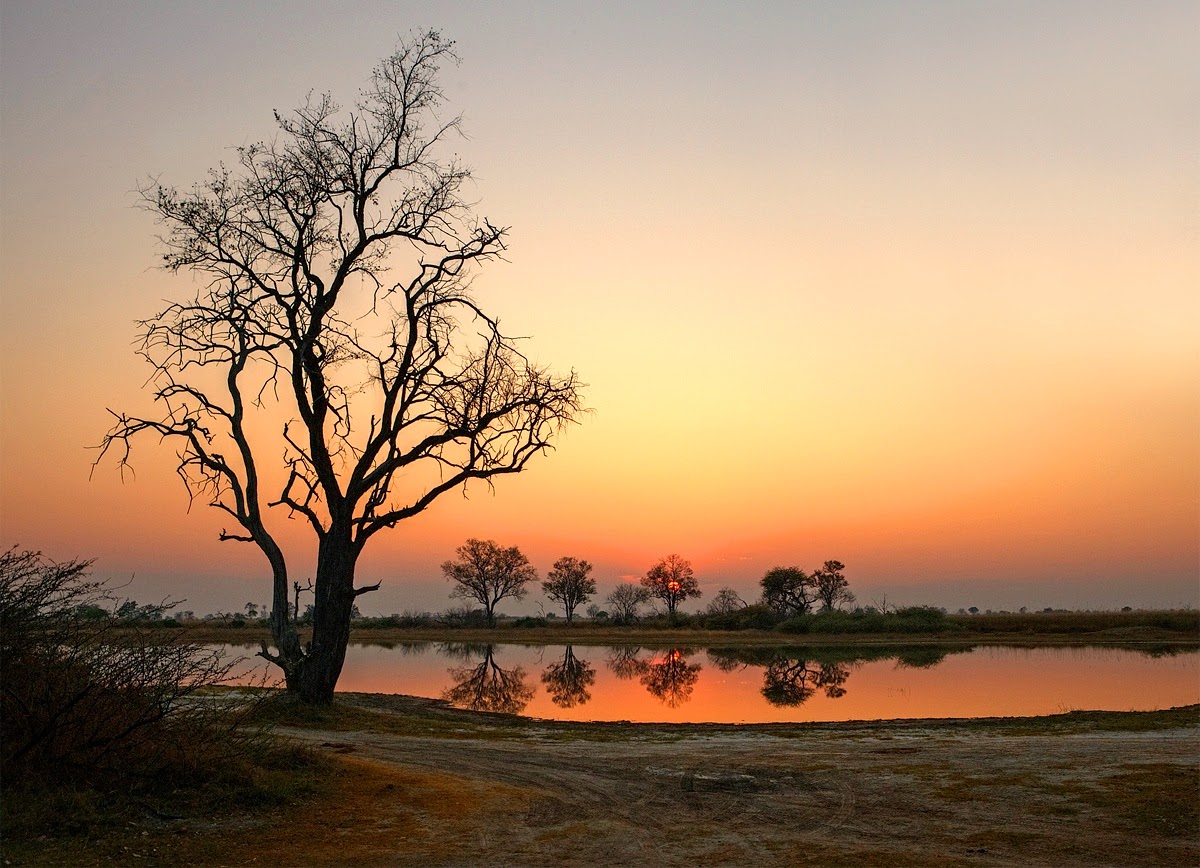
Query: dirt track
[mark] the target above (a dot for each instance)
(895, 793)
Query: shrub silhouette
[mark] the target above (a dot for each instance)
(95, 701)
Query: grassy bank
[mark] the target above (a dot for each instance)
(918, 625)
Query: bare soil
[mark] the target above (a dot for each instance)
(414, 782)
(1069, 790)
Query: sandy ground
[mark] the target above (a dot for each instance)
(414, 782)
(886, 793)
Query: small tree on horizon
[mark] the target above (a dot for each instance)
(725, 602)
(671, 580)
(489, 573)
(625, 600)
(831, 586)
(568, 582)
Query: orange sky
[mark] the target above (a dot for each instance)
(911, 287)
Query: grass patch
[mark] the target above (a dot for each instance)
(1155, 800)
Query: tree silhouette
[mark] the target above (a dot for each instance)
(568, 682)
(725, 602)
(488, 573)
(625, 601)
(672, 581)
(831, 587)
(488, 687)
(671, 678)
(335, 265)
(788, 590)
(568, 582)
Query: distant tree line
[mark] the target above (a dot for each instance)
(486, 573)
(791, 600)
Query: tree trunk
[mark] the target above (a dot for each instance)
(334, 593)
(283, 628)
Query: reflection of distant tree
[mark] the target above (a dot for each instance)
(568, 682)
(790, 681)
(831, 677)
(724, 660)
(671, 678)
(624, 661)
(463, 650)
(488, 687)
(921, 657)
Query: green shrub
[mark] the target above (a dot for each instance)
(529, 622)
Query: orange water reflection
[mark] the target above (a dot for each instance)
(760, 685)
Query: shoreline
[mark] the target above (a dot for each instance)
(681, 637)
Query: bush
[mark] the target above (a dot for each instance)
(464, 616)
(96, 702)
(395, 621)
(529, 622)
(755, 617)
(914, 619)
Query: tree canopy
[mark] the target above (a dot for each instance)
(671, 580)
(788, 590)
(570, 584)
(488, 573)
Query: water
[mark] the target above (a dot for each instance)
(776, 684)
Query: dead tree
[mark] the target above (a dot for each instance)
(336, 263)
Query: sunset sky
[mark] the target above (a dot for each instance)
(909, 285)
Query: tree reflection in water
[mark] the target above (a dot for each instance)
(488, 687)
(791, 681)
(568, 682)
(671, 678)
(624, 662)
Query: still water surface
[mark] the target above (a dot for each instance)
(760, 685)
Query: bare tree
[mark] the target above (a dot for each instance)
(569, 583)
(488, 573)
(672, 581)
(625, 601)
(336, 264)
(788, 590)
(725, 602)
(832, 588)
